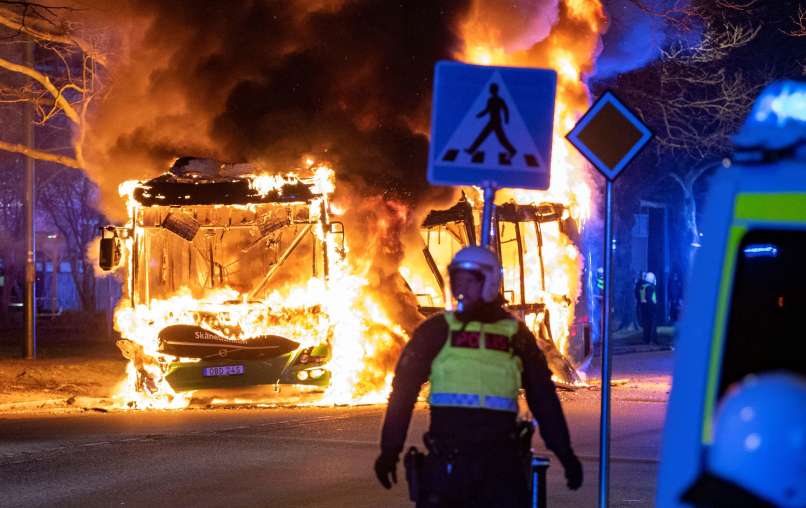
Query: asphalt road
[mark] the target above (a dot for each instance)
(301, 457)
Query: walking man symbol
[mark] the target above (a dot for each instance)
(497, 110)
(491, 124)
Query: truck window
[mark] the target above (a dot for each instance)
(768, 306)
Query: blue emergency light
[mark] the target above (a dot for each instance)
(760, 251)
(776, 127)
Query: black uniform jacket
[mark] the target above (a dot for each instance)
(472, 424)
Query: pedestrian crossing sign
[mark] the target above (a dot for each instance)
(491, 126)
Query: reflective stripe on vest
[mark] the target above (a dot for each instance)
(477, 367)
(471, 400)
(643, 291)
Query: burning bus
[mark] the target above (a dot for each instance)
(524, 236)
(206, 248)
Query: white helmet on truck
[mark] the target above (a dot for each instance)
(483, 262)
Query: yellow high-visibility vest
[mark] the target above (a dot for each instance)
(477, 367)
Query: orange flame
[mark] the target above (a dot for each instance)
(342, 311)
(338, 311)
(570, 49)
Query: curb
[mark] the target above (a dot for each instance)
(102, 404)
(627, 349)
(32, 404)
(641, 348)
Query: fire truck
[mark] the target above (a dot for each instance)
(205, 247)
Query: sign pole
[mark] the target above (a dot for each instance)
(604, 423)
(487, 215)
(609, 135)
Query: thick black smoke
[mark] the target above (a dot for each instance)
(348, 82)
(356, 90)
(344, 81)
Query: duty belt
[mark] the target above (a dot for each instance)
(449, 447)
(473, 400)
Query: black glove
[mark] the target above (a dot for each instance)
(386, 468)
(573, 471)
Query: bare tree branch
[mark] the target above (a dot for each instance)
(68, 203)
(40, 155)
(46, 83)
(799, 22)
(696, 95)
(718, 43)
(45, 30)
(64, 81)
(676, 178)
(737, 5)
(679, 13)
(695, 174)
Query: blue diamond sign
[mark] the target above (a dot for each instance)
(609, 135)
(491, 126)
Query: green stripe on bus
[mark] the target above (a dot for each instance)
(783, 207)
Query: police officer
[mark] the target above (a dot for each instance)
(476, 358)
(598, 299)
(648, 298)
(639, 282)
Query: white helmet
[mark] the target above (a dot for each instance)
(760, 438)
(485, 263)
(650, 278)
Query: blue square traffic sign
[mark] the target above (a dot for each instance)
(491, 125)
(609, 135)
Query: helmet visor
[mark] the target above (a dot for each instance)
(470, 266)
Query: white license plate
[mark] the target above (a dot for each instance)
(224, 370)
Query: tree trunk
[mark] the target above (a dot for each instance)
(54, 285)
(88, 282)
(692, 230)
(77, 276)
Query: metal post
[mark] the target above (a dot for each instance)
(604, 424)
(323, 220)
(540, 466)
(487, 214)
(30, 247)
(110, 308)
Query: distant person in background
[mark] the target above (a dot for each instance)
(675, 295)
(637, 292)
(598, 299)
(600, 283)
(648, 302)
